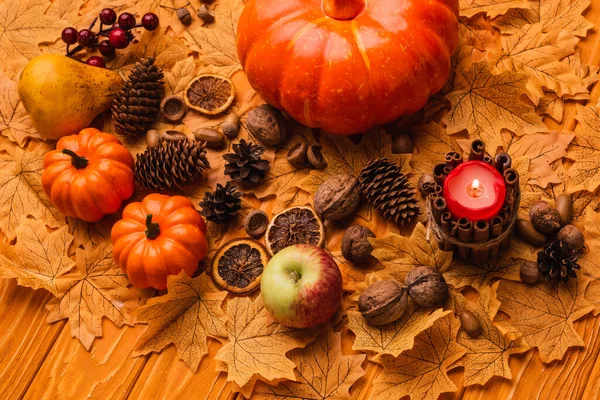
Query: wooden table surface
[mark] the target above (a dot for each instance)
(41, 361)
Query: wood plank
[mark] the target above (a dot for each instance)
(26, 336)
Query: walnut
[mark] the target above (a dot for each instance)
(338, 197)
(426, 287)
(572, 236)
(355, 244)
(544, 217)
(267, 125)
(383, 302)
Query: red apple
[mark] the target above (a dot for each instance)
(301, 286)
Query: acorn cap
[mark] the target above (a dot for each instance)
(315, 158)
(206, 14)
(173, 108)
(256, 223)
(172, 135)
(297, 155)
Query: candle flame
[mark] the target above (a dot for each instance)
(475, 184)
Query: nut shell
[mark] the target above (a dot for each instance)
(256, 223)
(315, 158)
(529, 272)
(528, 233)
(426, 287)
(572, 236)
(564, 206)
(297, 155)
(173, 108)
(267, 125)
(356, 247)
(544, 217)
(173, 135)
(470, 323)
(383, 302)
(231, 125)
(338, 197)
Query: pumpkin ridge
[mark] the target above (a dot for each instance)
(365, 57)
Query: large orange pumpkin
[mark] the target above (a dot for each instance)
(347, 65)
(89, 175)
(158, 237)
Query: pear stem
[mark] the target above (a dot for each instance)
(79, 162)
(343, 9)
(294, 276)
(152, 229)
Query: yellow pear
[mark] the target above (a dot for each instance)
(63, 96)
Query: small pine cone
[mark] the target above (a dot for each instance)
(171, 164)
(136, 107)
(223, 204)
(389, 191)
(245, 165)
(558, 261)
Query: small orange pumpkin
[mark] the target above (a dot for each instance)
(89, 175)
(158, 237)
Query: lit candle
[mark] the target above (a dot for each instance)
(474, 190)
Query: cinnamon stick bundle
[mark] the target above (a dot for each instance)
(496, 227)
(440, 172)
(511, 177)
(465, 230)
(439, 207)
(488, 160)
(481, 234)
(477, 150)
(454, 158)
(502, 162)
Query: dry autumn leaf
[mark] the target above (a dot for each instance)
(39, 258)
(477, 32)
(322, 372)
(590, 265)
(97, 288)
(257, 347)
(15, 122)
(21, 192)
(433, 142)
(491, 8)
(186, 316)
(544, 313)
(399, 254)
(216, 42)
(421, 372)
(394, 338)
(179, 76)
(487, 354)
(537, 55)
(585, 151)
(485, 104)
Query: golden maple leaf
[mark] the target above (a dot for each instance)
(590, 265)
(322, 372)
(394, 338)
(216, 42)
(421, 372)
(551, 14)
(21, 192)
(257, 347)
(477, 32)
(491, 8)
(179, 76)
(585, 151)
(487, 354)
(96, 288)
(537, 55)
(39, 257)
(15, 122)
(485, 104)
(544, 313)
(23, 26)
(91, 235)
(186, 316)
(400, 255)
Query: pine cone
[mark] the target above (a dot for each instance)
(558, 261)
(389, 191)
(136, 107)
(221, 205)
(171, 164)
(246, 166)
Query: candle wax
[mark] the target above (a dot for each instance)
(474, 190)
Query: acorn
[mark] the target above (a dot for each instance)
(173, 108)
(184, 16)
(544, 217)
(470, 323)
(231, 125)
(529, 272)
(152, 137)
(528, 233)
(564, 206)
(206, 14)
(572, 236)
(212, 137)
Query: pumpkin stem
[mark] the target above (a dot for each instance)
(343, 9)
(79, 162)
(152, 229)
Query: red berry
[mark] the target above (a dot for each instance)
(118, 38)
(96, 61)
(69, 35)
(85, 37)
(108, 16)
(150, 21)
(126, 21)
(106, 49)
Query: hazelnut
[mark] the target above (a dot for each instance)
(426, 184)
(356, 247)
(564, 206)
(426, 287)
(173, 108)
(338, 197)
(231, 125)
(315, 158)
(256, 223)
(267, 125)
(470, 323)
(572, 236)
(544, 217)
(383, 302)
(297, 155)
(529, 272)
(152, 138)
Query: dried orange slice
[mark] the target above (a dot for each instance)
(238, 265)
(296, 225)
(209, 94)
